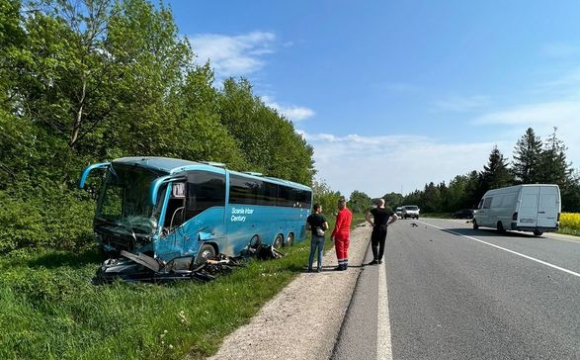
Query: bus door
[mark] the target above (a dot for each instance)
(204, 211)
(171, 237)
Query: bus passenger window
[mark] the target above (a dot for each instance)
(204, 190)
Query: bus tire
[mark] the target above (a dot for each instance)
(538, 232)
(205, 252)
(278, 241)
(475, 226)
(289, 239)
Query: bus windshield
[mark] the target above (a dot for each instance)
(124, 201)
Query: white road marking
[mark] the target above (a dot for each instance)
(384, 351)
(510, 251)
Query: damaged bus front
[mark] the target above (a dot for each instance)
(130, 206)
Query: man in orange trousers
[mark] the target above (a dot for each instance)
(341, 234)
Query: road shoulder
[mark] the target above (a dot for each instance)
(303, 321)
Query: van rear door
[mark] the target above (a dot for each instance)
(528, 211)
(549, 207)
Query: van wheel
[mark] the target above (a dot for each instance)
(475, 226)
(278, 241)
(500, 228)
(205, 252)
(538, 232)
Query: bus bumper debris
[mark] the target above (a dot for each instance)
(143, 268)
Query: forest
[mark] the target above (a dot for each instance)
(94, 80)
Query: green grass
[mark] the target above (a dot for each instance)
(569, 231)
(50, 310)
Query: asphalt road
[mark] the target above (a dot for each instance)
(446, 291)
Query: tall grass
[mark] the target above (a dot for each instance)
(50, 310)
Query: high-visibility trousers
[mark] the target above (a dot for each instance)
(341, 246)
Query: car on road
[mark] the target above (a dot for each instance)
(463, 214)
(410, 211)
(399, 212)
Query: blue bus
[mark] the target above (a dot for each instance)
(170, 208)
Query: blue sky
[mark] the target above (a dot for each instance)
(395, 94)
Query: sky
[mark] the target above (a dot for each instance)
(393, 95)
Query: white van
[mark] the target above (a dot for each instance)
(533, 208)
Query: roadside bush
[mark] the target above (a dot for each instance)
(59, 219)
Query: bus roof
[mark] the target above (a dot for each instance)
(156, 163)
(171, 165)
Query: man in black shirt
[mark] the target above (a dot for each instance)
(318, 224)
(379, 219)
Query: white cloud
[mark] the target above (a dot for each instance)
(462, 103)
(548, 113)
(233, 55)
(542, 117)
(292, 112)
(378, 165)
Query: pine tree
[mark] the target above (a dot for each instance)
(554, 169)
(496, 173)
(527, 157)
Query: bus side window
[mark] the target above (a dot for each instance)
(204, 190)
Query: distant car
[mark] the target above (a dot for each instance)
(463, 214)
(410, 211)
(399, 211)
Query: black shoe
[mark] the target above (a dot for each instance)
(340, 268)
(319, 270)
(309, 269)
(374, 262)
(380, 261)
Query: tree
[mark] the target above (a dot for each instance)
(554, 168)
(394, 200)
(496, 173)
(325, 196)
(359, 202)
(527, 157)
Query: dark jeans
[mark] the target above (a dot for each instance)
(316, 243)
(378, 238)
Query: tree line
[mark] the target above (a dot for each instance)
(535, 161)
(83, 81)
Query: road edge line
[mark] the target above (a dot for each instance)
(384, 340)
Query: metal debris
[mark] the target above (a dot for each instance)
(143, 268)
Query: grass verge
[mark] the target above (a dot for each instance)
(569, 231)
(50, 310)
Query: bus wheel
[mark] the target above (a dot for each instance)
(500, 228)
(278, 241)
(538, 232)
(289, 240)
(205, 252)
(475, 226)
